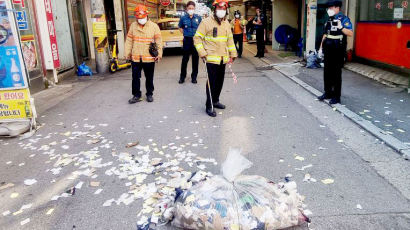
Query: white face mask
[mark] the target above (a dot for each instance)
(237, 16)
(220, 13)
(190, 12)
(142, 21)
(331, 12)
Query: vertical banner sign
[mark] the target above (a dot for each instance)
(52, 32)
(14, 94)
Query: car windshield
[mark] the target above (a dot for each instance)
(168, 25)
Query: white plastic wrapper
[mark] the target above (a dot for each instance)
(235, 201)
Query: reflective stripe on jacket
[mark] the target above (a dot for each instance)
(216, 49)
(138, 41)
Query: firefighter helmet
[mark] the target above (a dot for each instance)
(141, 11)
(224, 3)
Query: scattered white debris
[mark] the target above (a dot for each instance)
(25, 221)
(328, 181)
(51, 210)
(30, 181)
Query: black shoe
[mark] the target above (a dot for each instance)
(181, 81)
(257, 55)
(261, 56)
(239, 56)
(134, 100)
(334, 101)
(219, 106)
(211, 112)
(150, 98)
(194, 81)
(323, 97)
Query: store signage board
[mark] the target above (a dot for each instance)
(15, 101)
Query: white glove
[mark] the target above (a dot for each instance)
(339, 25)
(320, 53)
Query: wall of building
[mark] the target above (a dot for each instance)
(87, 9)
(351, 12)
(284, 12)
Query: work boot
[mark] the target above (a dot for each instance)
(194, 81)
(334, 101)
(181, 81)
(150, 98)
(219, 106)
(211, 112)
(134, 100)
(323, 97)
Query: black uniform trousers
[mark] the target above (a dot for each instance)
(238, 40)
(137, 68)
(216, 75)
(333, 50)
(189, 49)
(260, 42)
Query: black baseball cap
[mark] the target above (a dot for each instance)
(335, 3)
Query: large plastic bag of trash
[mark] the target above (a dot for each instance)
(233, 201)
(84, 70)
(313, 60)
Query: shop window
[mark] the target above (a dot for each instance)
(384, 10)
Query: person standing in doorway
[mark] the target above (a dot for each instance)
(143, 47)
(188, 25)
(238, 25)
(334, 43)
(214, 42)
(259, 26)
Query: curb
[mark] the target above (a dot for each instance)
(391, 141)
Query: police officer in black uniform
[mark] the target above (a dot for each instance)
(334, 42)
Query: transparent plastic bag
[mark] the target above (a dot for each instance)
(235, 201)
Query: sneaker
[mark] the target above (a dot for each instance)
(134, 100)
(150, 98)
(211, 112)
(219, 106)
(323, 97)
(334, 101)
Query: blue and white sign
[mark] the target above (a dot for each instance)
(21, 19)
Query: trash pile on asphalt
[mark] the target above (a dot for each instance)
(227, 201)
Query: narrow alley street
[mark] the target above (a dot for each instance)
(94, 141)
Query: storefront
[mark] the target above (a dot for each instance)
(383, 32)
(250, 13)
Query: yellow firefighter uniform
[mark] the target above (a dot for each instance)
(139, 39)
(216, 47)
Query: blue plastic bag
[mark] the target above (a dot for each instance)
(84, 70)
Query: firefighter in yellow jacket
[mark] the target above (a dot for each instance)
(142, 37)
(214, 42)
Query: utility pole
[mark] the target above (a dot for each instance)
(100, 35)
